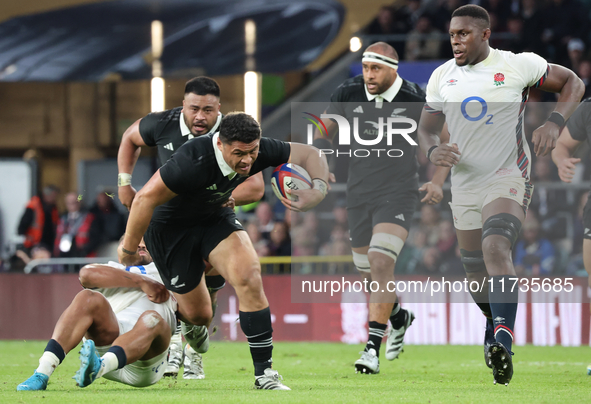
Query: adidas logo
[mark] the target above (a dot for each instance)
(400, 217)
(213, 187)
(237, 222)
(169, 146)
(359, 110)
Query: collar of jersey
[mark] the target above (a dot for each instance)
(185, 131)
(389, 94)
(491, 55)
(224, 167)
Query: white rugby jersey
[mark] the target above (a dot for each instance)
(121, 298)
(483, 106)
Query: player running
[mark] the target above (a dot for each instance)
(169, 130)
(381, 190)
(481, 95)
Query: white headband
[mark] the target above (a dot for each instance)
(377, 58)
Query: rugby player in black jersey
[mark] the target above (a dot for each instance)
(381, 186)
(168, 130)
(193, 224)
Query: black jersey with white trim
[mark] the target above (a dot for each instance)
(194, 174)
(372, 171)
(162, 129)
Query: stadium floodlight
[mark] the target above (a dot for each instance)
(157, 87)
(355, 44)
(252, 79)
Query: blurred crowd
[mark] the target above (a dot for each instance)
(79, 231)
(558, 30)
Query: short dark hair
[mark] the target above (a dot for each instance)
(202, 86)
(239, 126)
(474, 11)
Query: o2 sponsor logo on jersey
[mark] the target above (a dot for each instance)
(391, 125)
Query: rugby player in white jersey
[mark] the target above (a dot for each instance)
(125, 314)
(481, 95)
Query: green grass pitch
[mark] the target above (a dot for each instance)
(323, 373)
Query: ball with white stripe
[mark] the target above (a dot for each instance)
(289, 176)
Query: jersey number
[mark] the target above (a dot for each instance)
(484, 109)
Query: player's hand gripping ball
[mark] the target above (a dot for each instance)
(289, 176)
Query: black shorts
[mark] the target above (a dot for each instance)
(178, 251)
(587, 219)
(397, 207)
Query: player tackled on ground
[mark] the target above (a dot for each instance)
(193, 224)
(168, 130)
(127, 318)
(481, 95)
(381, 190)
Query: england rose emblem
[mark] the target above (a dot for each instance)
(499, 79)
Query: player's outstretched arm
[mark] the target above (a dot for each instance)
(314, 162)
(562, 155)
(153, 194)
(104, 276)
(129, 152)
(571, 89)
(251, 190)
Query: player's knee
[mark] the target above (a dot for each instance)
(152, 320)
(247, 276)
(90, 300)
(383, 252)
(496, 251)
(505, 225)
(473, 262)
(202, 317)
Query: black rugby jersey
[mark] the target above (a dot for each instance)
(163, 129)
(371, 171)
(193, 172)
(579, 124)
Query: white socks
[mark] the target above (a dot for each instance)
(47, 363)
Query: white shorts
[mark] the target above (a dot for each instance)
(140, 373)
(467, 206)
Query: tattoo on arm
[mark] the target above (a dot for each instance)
(127, 251)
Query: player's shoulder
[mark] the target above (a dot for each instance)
(413, 90)
(518, 59)
(350, 87)
(198, 149)
(442, 69)
(168, 115)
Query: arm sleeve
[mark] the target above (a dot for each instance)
(433, 96)
(147, 129)
(534, 69)
(181, 173)
(579, 124)
(272, 153)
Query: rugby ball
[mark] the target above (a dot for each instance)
(289, 176)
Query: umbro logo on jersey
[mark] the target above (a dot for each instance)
(451, 82)
(169, 146)
(400, 217)
(213, 187)
(359, 110)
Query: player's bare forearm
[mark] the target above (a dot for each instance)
(103, 276)
(330, 126)
(129, 149)
(309, 157)
(430, 128)
(251, 190)
(153, 194)
(440, 175)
